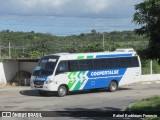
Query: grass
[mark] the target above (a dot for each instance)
(149, 104)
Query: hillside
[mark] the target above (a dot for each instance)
(31, 44)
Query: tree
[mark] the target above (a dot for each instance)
(148, 16)
(39, 48)
(93, 32)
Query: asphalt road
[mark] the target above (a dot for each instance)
(25, 99)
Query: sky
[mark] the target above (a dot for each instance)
(67, 17)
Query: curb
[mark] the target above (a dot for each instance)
(142, 83)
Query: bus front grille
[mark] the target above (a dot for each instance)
(38, 84)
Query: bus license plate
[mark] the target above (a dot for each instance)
(37, 85)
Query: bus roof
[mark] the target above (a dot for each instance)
(125, 50)
(105, 54)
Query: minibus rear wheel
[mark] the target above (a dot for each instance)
(113, 86)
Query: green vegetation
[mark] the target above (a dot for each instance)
(24, 43)
(35, 45)
(147, 15)
(151, 104)
(146, 67)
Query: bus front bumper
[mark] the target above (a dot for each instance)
(45, 87)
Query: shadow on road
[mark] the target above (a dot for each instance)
(104, 113)
(29, 92)
(121, 89)
(53, 94)
(35, 93)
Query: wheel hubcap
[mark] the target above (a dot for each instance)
(113, 86)
(62, 91)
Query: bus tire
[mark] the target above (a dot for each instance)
(42, 93)
(62, 91)
(113, 86)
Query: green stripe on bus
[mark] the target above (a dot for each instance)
(72, 79)
(81, 73)
(70, 84)
(71, 75)
(80, 57)
(89, 57)
(78, 85)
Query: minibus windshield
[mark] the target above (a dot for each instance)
(45, 66)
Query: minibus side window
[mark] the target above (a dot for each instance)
(62, 67)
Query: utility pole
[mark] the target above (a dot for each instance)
(9, 47)
(151, 70)
(0, 49)
(151, 67)
(103, 41)
(23, 49)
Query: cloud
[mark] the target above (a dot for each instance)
(101, 8)
(76, 16)
(95, 6)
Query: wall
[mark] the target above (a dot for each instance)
(145, 78)
(27, 66)
(2, 75)
(9, 68)
(153, 77)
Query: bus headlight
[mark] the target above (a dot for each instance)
(48, 81)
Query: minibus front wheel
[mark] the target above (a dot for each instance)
(62, 91)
